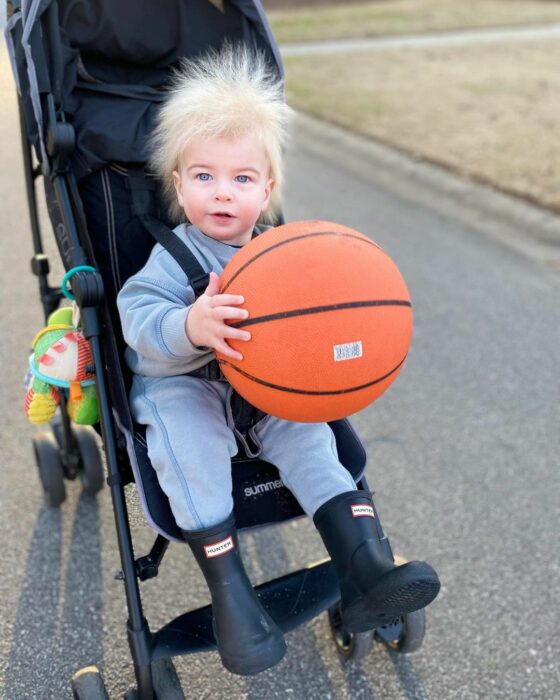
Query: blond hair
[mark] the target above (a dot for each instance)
(228, 93)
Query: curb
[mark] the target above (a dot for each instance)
(531, 230)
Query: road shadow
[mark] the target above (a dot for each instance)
(81, 628)
(58, 625)
(355, 675)
(302, 672)
(305, 672)
(411, 685)
(356, 680)
(33, 651)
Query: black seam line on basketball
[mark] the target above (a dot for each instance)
(309, 392)
(291, 240)
(319, 309)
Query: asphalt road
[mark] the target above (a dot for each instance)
(457, 37)
(463, 455)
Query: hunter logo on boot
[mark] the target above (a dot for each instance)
(221, 547)
(362, 510)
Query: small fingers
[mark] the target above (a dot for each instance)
(236, 334)
(213, 287)
(226, 300)
(223, 348)
(230, 313)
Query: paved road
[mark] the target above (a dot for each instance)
(457, 37)
(463, 456)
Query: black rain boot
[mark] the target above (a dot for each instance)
(247, 638)
(373, 589)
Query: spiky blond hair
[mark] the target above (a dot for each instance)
(227, 93)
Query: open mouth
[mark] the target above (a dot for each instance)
(222, 215)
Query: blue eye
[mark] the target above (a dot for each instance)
(203, 176)
(242, 178)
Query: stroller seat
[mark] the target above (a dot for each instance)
(259, 495)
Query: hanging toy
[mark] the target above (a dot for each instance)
(61, 361)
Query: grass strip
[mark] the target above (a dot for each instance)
(488, 112)
(390, 17)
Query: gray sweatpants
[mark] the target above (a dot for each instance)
(190, 439)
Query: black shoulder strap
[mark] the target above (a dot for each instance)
(140, 189)
(179, 252)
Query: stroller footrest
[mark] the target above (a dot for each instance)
(290, 600)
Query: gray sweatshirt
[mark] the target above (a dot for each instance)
(154, 304)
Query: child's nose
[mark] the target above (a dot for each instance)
(222, 193)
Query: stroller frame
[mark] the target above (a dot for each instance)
(292, 599)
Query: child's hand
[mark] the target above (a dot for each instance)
(206, 323)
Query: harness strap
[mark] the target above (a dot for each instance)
(210, 371)
(198, 278)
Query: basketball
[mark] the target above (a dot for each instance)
(330, 320)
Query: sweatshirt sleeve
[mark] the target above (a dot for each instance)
(153, 307)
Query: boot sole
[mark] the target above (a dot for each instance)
(395, 594)
(264, 656)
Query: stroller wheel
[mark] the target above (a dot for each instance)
(166, 682)
(409, 629)
(87, 684)
(350, 645)
(91, 465)
(51, 472)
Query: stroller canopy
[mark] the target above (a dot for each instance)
(106, 64)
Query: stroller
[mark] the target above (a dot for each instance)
(90, 78)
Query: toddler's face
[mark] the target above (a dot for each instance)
(223, 186)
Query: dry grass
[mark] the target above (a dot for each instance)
(489, 112)
(350, 19)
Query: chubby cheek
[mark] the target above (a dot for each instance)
(195, 205)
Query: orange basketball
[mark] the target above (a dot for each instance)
(330, 320)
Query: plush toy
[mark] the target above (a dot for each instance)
(61, 360)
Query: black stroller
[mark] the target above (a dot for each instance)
(90, 77)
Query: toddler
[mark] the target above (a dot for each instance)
(218, 150)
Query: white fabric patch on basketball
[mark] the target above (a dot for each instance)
(348, 351)
(362, 510)
(214, 550)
